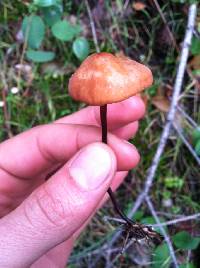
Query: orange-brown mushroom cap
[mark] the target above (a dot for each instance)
(104, 78)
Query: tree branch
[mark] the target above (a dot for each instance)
(172, 111)
(167, 239)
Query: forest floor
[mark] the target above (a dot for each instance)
(150, 32)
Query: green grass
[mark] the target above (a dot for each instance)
(142, 36)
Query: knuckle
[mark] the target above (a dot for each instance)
(47, 210)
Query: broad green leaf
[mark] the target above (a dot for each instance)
(197, 148)
(33, 29)
(45, 3)
(183, 240)
(40, 56)
(195, 46)
(196, 135)
(52, 14)
(64, 31)
(81, 48)
(161, 257)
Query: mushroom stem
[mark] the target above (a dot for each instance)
(103, 114)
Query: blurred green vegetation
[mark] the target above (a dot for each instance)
(35, 93)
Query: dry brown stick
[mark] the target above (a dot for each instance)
(171, 35)
(6, 114)
(25, 44)
(5, 107)
(166, 25)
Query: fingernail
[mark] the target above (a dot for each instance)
(91, 167)
(128, 143)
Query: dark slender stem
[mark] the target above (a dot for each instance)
(103, 113)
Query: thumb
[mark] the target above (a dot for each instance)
(53, 212)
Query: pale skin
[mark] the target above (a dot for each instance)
(54, 177)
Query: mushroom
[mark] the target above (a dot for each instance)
(104, 78)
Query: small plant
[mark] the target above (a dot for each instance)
(174, 182)
(47, 15)
(183, 241)
(196, 140)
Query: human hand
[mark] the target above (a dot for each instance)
(40, 219)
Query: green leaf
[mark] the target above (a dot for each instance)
(33, 29)
(138, 215)
(40, 56)
(64, 31)
(152, 90)
(52, 14)
(174, 182)
(196, 72)
(45, 3)
(183, 240)
(187, 265)
(81, 48)
(197, 148)
(195, 46)
(196, 135)
(161, 257)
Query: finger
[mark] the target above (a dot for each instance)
(119, 114)
(54, 212)
(56, 257)
(118, 179)
(64, 250)
(37, 150)
(127, 132)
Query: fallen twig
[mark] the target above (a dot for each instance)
(167, 239)
(166, 223)
(171, 114)
(175, 221)
(190, 120)
(94, 34)
(166, 24)
(105, 247)
(6, 114)
(187, 144)
(177, 89)
(172, 111)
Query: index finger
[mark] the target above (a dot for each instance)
(35, 151)
(118, 114)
